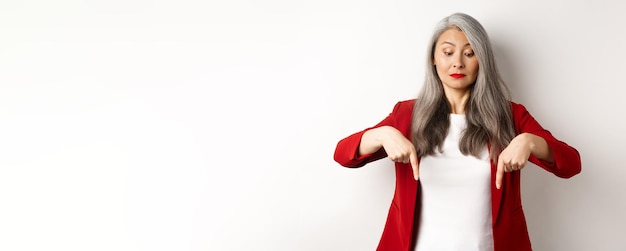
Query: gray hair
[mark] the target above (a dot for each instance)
(488, 109)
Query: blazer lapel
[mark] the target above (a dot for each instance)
(496, 195)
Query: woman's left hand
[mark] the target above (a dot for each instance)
(514, 157)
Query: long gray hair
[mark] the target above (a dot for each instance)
(488, 109)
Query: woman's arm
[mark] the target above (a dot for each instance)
(548, 152)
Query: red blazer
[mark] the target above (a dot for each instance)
(509, 224)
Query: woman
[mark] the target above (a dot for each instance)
(458, 150)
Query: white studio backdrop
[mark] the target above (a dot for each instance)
(211, 125)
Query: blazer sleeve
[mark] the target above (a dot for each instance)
(347, 149)
(567, 161)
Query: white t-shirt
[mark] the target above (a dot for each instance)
(456, 197)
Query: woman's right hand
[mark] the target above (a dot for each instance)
(397, 147)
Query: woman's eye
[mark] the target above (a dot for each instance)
(469, 54)
(447, 53)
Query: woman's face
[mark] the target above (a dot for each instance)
(455, 61)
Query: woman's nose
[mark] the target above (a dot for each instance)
(458, 63)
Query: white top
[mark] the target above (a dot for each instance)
(456, 197)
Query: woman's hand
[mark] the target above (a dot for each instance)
(397, 147)
(515, 156)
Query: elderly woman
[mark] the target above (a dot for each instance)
(458, 149)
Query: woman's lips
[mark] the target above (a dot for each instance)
(457, 75)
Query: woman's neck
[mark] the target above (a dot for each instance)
(457, 101)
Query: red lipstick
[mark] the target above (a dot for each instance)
(457, 75)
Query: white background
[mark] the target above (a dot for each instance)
(211, 125)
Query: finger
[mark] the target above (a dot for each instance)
(513, 166)
(403, 160)
(396, 158)
(508, 168)
(414, 166)
(499, 173)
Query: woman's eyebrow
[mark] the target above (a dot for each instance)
(450, 43)
(447, 42)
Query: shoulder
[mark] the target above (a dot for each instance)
(402, 115)
(517, 108)
(404, 105)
